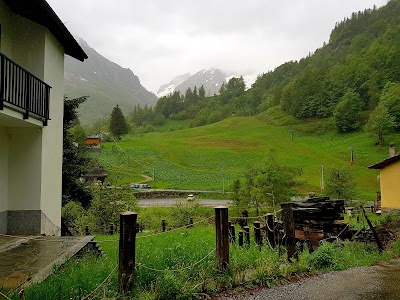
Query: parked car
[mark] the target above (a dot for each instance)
(190, 197)
(144, 186)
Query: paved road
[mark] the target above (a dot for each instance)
(172, 202)
(380, 282)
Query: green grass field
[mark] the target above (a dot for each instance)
(209, 156)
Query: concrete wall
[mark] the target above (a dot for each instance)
(3, 179)
(390, 186)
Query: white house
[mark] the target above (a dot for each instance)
(33, 41)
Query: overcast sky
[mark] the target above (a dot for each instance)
(160, 39)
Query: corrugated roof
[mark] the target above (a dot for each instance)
(385, 163)
(39, 11)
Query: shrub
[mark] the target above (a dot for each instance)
(169, 287)
(182, 211)
(106, 205)
(323, 258)
(70, 214)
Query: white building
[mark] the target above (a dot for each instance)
(33, 41)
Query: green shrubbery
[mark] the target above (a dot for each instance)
(324, 258)
(104, 210)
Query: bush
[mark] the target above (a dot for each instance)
(70, 214)
(106, 205)
(182, 211)
(148, 128)
(169, 287)
(323, 258)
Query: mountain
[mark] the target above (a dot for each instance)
(211, 79)
(106, 83)
(169, 88)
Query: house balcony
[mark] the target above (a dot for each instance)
(22, 91)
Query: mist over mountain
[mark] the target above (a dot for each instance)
(169, 88)
(212, 80)
(106, 83)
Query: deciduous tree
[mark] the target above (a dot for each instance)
(268, 184)
(347, 112)
(340, 184)
(380, 122)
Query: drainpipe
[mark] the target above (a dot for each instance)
(392, 150)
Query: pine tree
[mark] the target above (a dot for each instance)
(74, 158)
(118, 125)
(202, 92)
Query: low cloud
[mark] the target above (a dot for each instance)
(160, 39)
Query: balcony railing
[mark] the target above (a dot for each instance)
(22, 91)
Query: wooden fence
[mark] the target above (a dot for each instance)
(269, 232)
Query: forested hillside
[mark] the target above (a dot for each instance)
(363, 55)
(359, 66)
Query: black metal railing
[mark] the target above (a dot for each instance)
(22, 91)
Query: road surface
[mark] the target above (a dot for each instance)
(379, 282)
(172, 202)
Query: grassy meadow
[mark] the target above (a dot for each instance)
(211, 157)
(181, 264)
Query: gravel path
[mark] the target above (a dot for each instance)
(379, 282)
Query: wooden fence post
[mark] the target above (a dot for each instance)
(376, 237)
(257, 233)
(163, 224)
(247, 235)
(269, 221)
(222, 237)
(240, 234)
(87, 232)
(232, 236)
(111, 230)
(191, 222)
(288, 225)
(127, 244)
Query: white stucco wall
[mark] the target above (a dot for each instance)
(22, 40)
(24, 172)
(3, 168)
(5, 41)
(53, 133)
(34, 152)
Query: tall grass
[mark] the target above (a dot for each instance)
(181, 265)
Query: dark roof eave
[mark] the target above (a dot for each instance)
(385, 162)
(39, 11)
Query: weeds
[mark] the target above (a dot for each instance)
(175, 265)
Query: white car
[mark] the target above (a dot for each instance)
(190, 197)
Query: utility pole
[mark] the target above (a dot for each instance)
(291, 132)
(223, 180)
(351, 156)
(322, 179)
